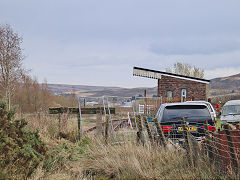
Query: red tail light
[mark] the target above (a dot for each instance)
(167, 128)
(211, 128)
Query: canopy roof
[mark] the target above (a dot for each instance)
(154, 74)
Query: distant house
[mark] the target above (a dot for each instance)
(175, 86)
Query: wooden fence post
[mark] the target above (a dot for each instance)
(217, 146)
(208, 141)
(59, 123)
(79, 126)
(106, 128)
(140, 129)
(160, 133)
(187, 143)
(232, 149)
(99, 124)
(148, 128)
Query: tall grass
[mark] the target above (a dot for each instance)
(133, 161)
(93, 158)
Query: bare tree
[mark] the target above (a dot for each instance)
(187, 70)
(10, 61)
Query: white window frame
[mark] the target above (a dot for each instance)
(141, 108)
(171, 94)
(184, 93)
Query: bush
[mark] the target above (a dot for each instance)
(21, 150)
(61, 157)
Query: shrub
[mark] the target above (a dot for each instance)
(61, 157)
(21, 150)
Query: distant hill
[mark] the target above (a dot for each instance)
(66, 88)
(230, 82)
(97, 91)
(219, 86)
(122, 92)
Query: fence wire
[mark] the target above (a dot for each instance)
(134, 118)
(222, 148)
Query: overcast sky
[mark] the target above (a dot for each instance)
(97, 42)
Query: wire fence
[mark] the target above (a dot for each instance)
(200, 140)
(134, 119)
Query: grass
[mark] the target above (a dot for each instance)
(93, 158)
(133, 161)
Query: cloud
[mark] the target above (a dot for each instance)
(222, 72)
(192, 46)
(98, 42)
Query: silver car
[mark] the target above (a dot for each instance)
(231, 112)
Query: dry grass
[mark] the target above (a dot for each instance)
(132, 161)
(47, 125)
(122, 161)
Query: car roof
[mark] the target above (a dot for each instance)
(205, 102)
(232, 102)
(199, 102)
(184, 103)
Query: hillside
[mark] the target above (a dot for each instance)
(66, 88)
(218, 86)
(97, 91)
(230, 82)
(123, 92)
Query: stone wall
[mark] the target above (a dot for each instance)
(195, 89)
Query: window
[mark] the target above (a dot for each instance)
(231, 110)
(184, 93)
(190, 112)
(141, 109)
(169, 94)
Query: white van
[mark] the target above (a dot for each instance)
(231, 112)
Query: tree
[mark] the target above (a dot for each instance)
(32, 97)
(187, 70)
(10, 61)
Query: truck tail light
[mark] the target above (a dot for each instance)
(167, 128)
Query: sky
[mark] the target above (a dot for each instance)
(98, 42)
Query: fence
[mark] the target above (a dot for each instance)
(92, 112)
(148, 106)
(218, 148)
(226, 148)
(107, 115)
(201, 142)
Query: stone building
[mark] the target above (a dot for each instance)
(176, 86)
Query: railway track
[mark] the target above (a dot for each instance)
(117, 124)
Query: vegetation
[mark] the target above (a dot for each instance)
(222, 99)
(10, 61)
(187, 70)
(23, 154)
(17, 86)
(47, 147)
(133, 161)
(21, 150)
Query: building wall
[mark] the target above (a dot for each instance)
(194, 89)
